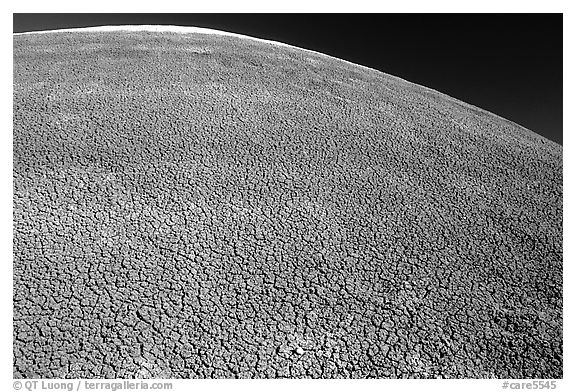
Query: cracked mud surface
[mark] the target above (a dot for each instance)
(203, 206)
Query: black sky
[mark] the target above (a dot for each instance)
(509, 64)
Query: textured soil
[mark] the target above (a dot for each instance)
(191, 205)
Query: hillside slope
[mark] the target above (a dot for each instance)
(191, 205)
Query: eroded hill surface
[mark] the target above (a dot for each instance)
(191, 205)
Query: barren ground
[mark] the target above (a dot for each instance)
(192, 205)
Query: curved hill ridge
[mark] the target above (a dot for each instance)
(204, 205)
(207, 31)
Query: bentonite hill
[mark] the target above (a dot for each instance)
(201, 205)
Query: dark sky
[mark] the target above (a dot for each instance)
(509, 64)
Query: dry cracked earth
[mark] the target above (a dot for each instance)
(190, 205)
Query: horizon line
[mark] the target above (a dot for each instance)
(208, 31)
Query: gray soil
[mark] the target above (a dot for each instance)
(194, 205)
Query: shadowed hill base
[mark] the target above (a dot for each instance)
(191, 205)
